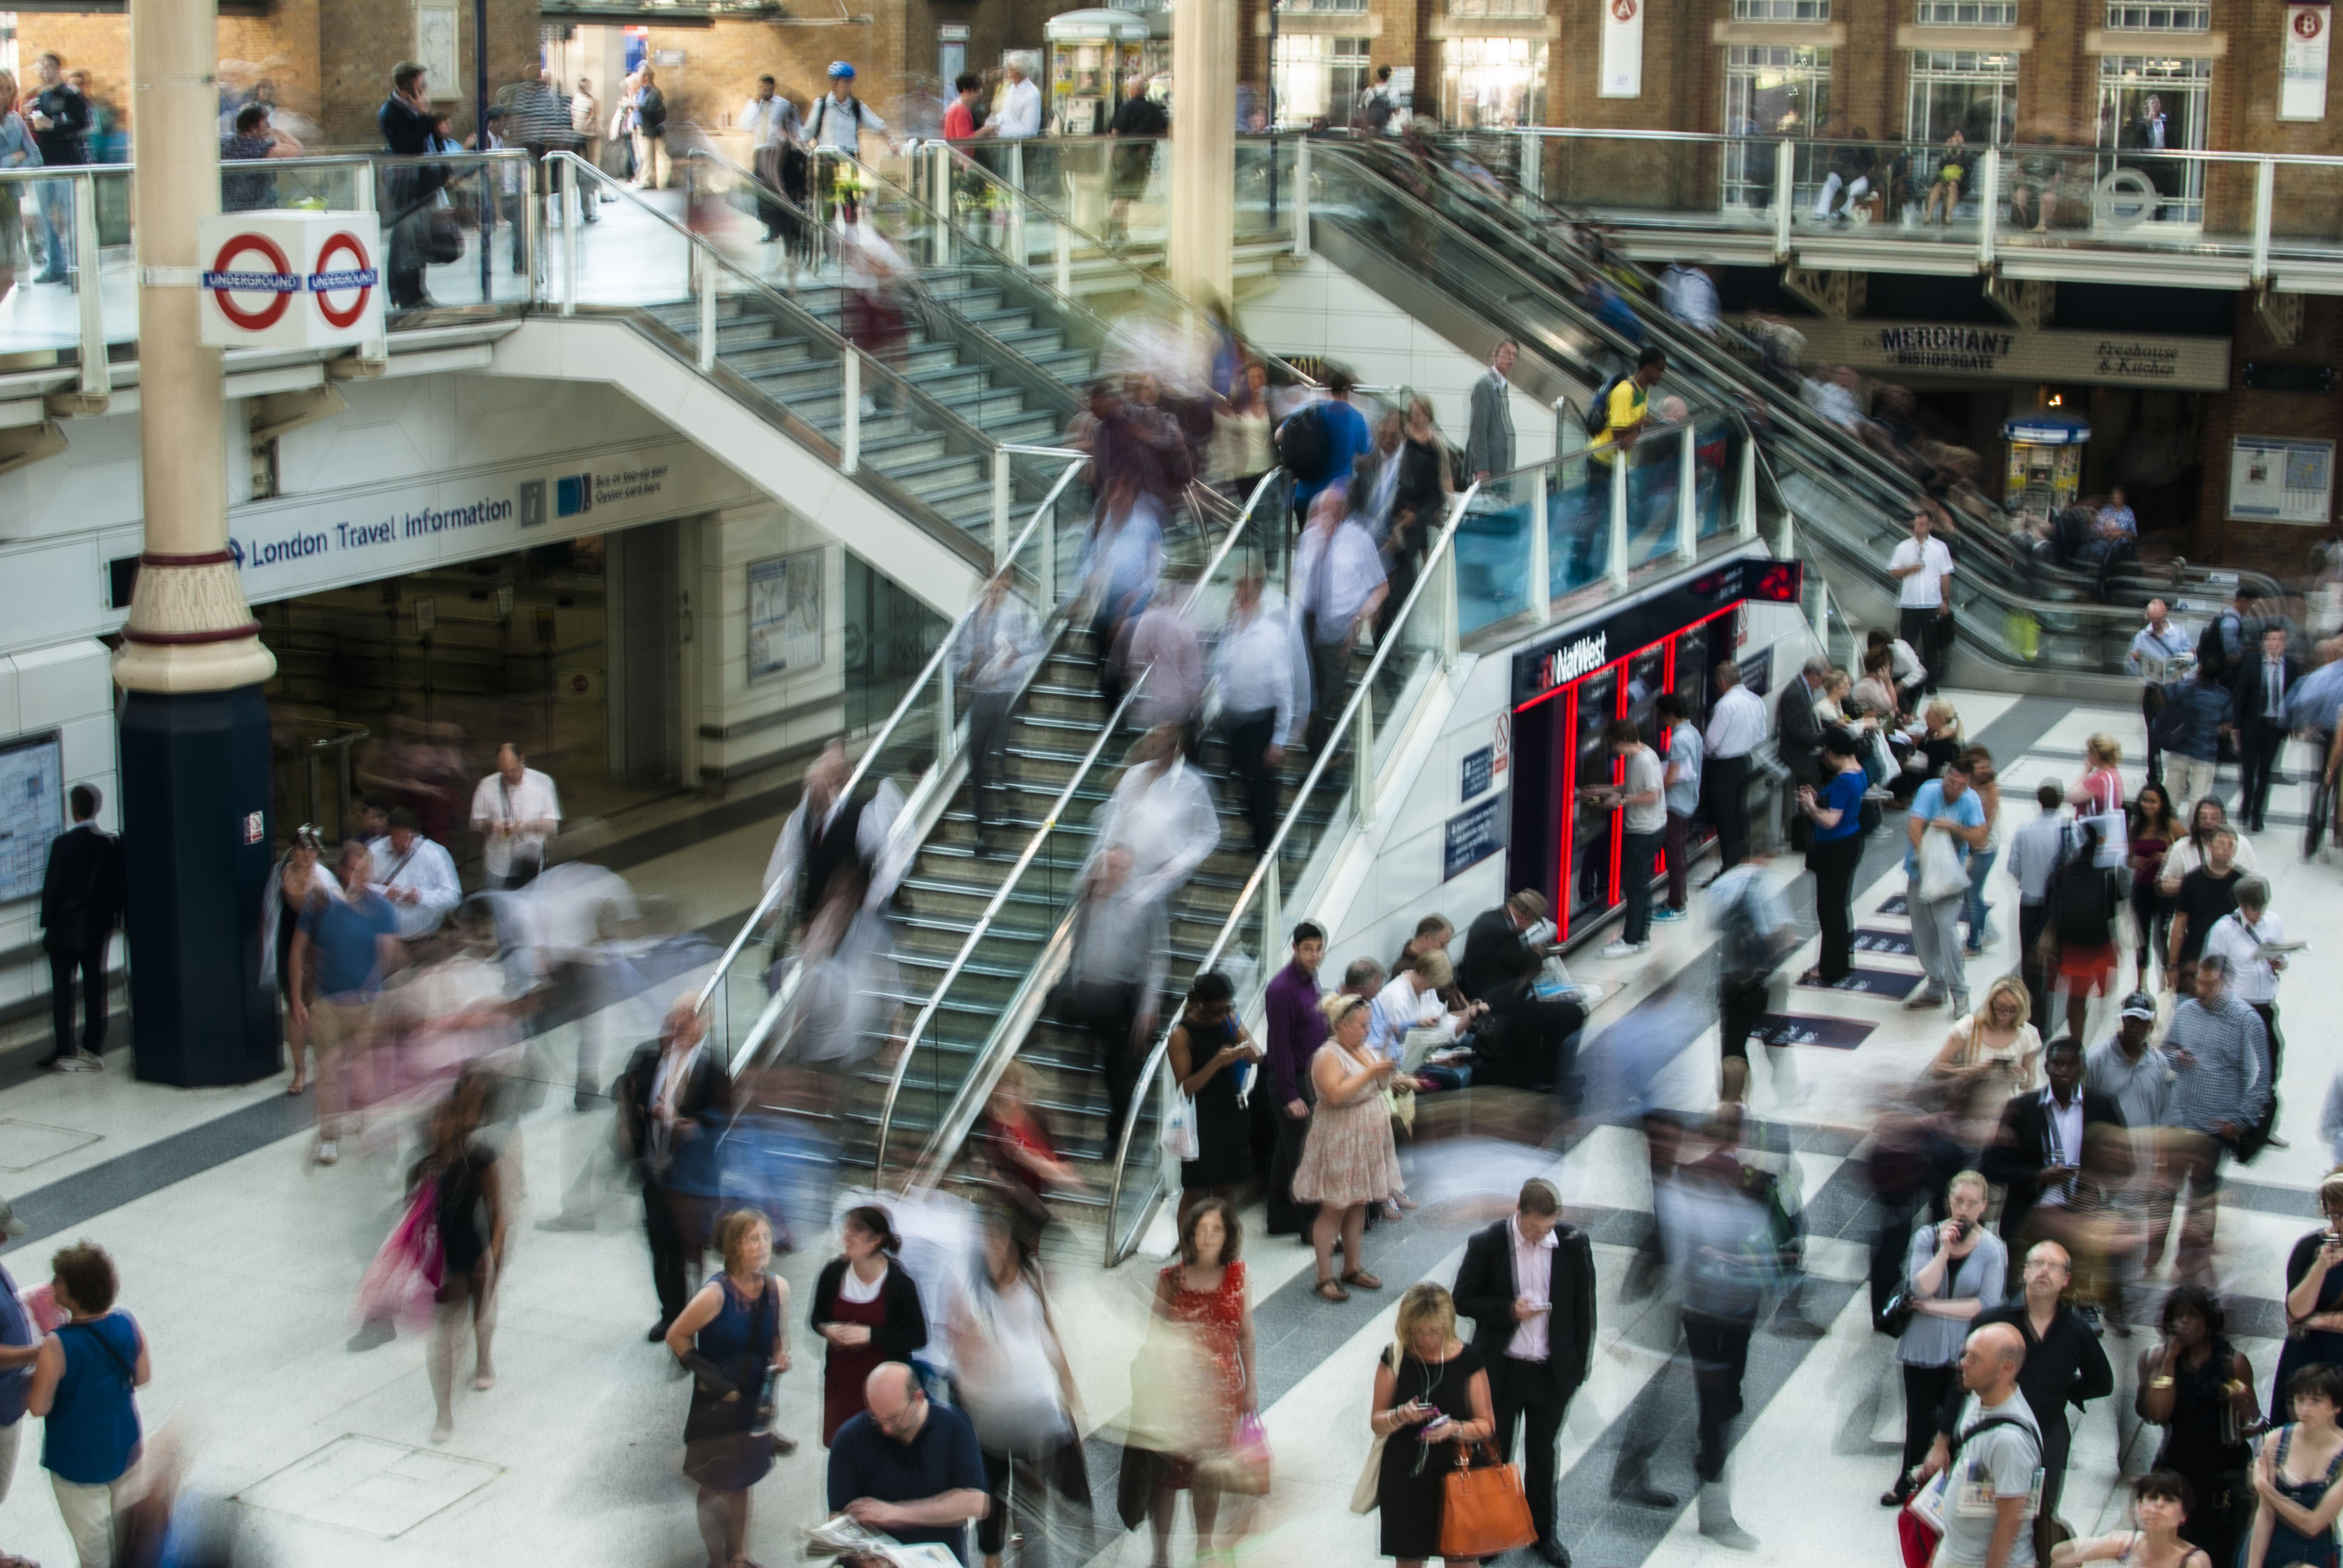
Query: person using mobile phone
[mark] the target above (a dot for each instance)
(1431, 1399)
(1210, 1051)
(1952, 1271)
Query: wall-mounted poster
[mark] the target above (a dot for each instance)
(1623, 50)
(2302, 63)
(2279, 479)
(32, 810)
(784, 614)
(435, 50)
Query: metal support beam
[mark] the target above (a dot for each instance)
(1836, 294)
(1540, 583)
(1618, 552)
(1687, 496)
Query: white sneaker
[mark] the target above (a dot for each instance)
(1623, 949)
(328, 1153)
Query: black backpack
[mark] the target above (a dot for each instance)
(1302, 447)
(2084, 902)
(2171, 724)
(1597, 418)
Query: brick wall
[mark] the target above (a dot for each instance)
(2273, 547)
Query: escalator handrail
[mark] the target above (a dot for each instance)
(768, 898)
(1050, 821)
(1426, 574)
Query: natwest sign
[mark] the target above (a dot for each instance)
(291, 279)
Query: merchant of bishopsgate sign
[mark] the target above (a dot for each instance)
(2009, 352)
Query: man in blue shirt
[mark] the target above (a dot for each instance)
(1345, 436)
(353, 940)
(1946, 804)
(908, 1468)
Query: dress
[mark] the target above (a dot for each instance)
(2286, 1544)
(1413, 1481)
(1218, 1320)
(458, 1209)
(2311, 1346)
(848, 1367)
(1224, 1129)
(1350, 1157)
(719, 1452)
(2216, 1471)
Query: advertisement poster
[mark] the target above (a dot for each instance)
(2302, 63)
(784, 614)
(2275, 479)
(1623, 49)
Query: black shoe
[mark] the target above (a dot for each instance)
(659, 1332)
(1641, 1494)
(1552, 1552)
(1897, 1495)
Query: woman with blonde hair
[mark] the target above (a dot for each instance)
(1996, 1045)
(1432, 1403)
(18, 150)
(1938, 743)
(1348, 1159)
(2099, 792)
(733, 1336)
(1952, 1272)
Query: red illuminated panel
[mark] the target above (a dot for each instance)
(1618, 776)
(1569, 807)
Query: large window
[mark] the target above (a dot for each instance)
(1488, 83)
(1319, 77)
(2149, 105)
(1969, 13)
(1781, 10)
(1496, 8)
(1771, 91)
(1972, 91)
(2163, 16)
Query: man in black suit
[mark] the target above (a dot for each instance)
(1529, 1040)
(672, 1102)
(81, 903)
(2257, 700)
(2038, 1151)
(1528, 1285)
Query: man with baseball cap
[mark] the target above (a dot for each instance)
(2129, 1070)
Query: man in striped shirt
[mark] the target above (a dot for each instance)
(2220, 1090)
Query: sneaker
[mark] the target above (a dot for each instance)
(1668, 916)
(79, 1061)
(328, 1153)
(1623, 949)
(1920, 999)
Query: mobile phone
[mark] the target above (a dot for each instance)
(1960, 1230)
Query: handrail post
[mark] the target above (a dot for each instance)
(850, 410)
(573, 204)
(1785, 196)
(96, 373)
(939, 199)
(530, 234)
(1988, 206)
(1744, 504)
(1048, 597)
(1000, 461)
(2265, 199)
(1063, 244)
(946, 722)
(1687, 497)
(1562, 417)
(1822, 616)
(1363, 755)
(707, 311)
(1531, 165)
(1451, 630)
(1017, 251)
(1273, 912)
(1301, 198)
(1540, 583)
(1618, 552)
(365, 198)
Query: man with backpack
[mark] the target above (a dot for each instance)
(1375, 108)
(1613, 418)
(1995, 1458)
(1321, 441)
(2187, 730)
(835, 124)
(81, 903)
(2155, 648)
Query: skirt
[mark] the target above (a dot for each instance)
(2087, 971)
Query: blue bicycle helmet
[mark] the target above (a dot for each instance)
(841, 71)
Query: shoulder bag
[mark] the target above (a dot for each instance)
(1484, 1509)
(1902, 1308)
(1368, 1492)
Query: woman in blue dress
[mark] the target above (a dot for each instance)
(2299, 1478)
(84, 1386)
(731, 1336)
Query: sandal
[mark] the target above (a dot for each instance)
(1363, 1280)
(1331, 1290)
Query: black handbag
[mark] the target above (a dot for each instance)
(443, 237)
(1903, 1306)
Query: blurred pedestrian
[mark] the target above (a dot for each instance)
(1122, 557)
(84, 1388)
(1736, 725)
(1241, 449)
(1350, 1160)
(1203, 1290)
(828, 832)
(2220, 1053)
(2195, 712)
(1320, 450)
(1020, 1150)
(417, 876)
(1161, 644)
(1114, 977)
(1420, 498)
(1161, 811)
(1754, 935)
(1209, 1051)
(733, 1337)
(2035, 852)
(868, 1309)
(1528, 1284)
(1260, 709)
(1014, 1382)
(515, 811)
(2086, 897)
(2200, 1389)
(1339, 586)
(671, 1099)
(296, 878)
(1950, 808)
(1432, 1406)
(82, 900)
(1295, 1028)
(468, 1211)
(1952, 1271)
(998, 649)
(353, 940)
(1684, 751)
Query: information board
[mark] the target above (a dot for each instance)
(1472, 837)
(32, 810)
(1476, 773)
(2280, 479)
(784, 614)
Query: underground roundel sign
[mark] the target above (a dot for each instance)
(291, 278)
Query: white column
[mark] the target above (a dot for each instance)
(1204, 148)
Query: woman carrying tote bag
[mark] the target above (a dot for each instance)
(1430, 1409)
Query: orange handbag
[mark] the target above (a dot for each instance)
(1485, 1510)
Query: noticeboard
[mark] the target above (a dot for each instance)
(784, 614)
(32, 810)
(2281, 479)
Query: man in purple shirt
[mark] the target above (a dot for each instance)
(1296, 1030)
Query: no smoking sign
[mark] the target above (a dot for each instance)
(291, 279)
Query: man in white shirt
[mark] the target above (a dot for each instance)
(1923, 567)
(1736, 724)
(2239, 936)
(1340, 585)
(417, 876)
(835, 123)
(1641, 800)
(828, 833)
(1162, 812)
(2156, 651)
(1264, 688)
(515, 810)
(1020, 114)
(998, 648)
(773, 125)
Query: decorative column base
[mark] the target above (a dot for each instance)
(196, 793)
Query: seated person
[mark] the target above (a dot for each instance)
(908, 1468)
(1949, 174)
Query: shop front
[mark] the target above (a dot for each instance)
(1569, 685)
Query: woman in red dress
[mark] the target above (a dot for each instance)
(868, 1311)
(1205, 1289)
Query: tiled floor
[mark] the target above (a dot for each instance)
(241, 1262)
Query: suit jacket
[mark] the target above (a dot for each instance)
(2248, 701)
(81, 892)
(1801, 737)
(1494, 953)
(2021, 1148)
(1489, 441)
(1484, 1292)
(706, 1095)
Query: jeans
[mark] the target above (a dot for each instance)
(1249, 737)
(1973, 906)
(1935, 939)
(1677, 836)
(54, 202)
(1636, 851)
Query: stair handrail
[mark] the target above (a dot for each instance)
(769, 898)
(1050, 821)
(1118, 1248)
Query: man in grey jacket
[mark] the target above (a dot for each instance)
(1489, 443)
(2221, 1087)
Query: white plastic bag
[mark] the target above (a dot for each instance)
(1942, 874)
(1178, 1136)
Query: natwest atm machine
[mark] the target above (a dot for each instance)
(1569, 685)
